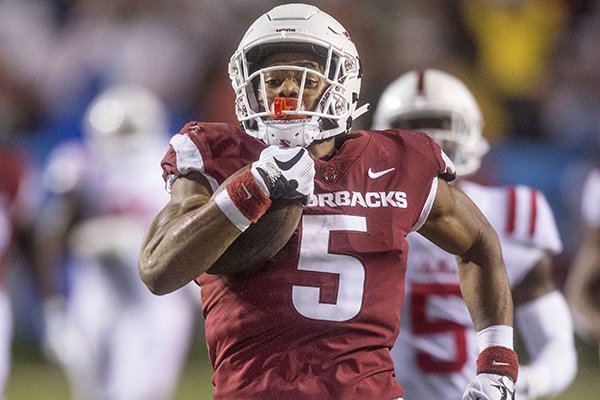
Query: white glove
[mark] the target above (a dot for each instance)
(490, 387)
(285, 173)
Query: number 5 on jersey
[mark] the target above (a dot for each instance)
(315, 257)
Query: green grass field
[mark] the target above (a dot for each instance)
(32, 378)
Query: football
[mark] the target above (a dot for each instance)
(261, 240)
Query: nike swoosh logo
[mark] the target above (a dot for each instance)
(503, 391)
(499, 364)
(375, 175)
(287, 165)
(248, 194)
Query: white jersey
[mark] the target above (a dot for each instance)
(135, 343)
(590, 210)
(436, 351)
(110, 182)
(121, 191)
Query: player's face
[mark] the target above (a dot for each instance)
(423, 123)
(287, 83)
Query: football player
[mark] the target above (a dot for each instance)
(317, 320)
(19, 202)
(583, 283)
(438, 342)
(113, 338)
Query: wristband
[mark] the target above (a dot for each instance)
(498, 360)
(243, 201)
(496, 354)
(495, 335)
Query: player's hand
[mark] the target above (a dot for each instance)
(490, 387)
(278, 174)
(285, 173)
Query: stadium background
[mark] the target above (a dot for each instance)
(534, 65)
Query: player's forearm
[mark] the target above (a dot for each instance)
(484, 283)
(547, 330)
(181, 244)
(585, 273)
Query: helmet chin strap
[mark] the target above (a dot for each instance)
(289, 133)
(360, 111)
(286, 130)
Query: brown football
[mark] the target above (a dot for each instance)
(261, 240)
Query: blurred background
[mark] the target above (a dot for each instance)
(533, 65)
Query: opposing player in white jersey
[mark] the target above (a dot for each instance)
(583, 284)
(115, 340)
(435, 353)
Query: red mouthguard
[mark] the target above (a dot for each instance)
(281, 104)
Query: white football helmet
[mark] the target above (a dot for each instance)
(440, 105)
(124, 118)
(296, 28)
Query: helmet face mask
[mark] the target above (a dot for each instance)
(304, 93)
(440, 105)
(420, 121)
(324, 53)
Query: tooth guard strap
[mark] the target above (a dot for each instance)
(498, 360)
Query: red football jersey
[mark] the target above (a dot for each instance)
(319, 319)
(16, 198)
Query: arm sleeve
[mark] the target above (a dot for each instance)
(546, 327)
(590, 200)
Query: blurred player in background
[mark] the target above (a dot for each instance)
(18, 206)
(317, 320)
(583, 283)
(437, 337)
(114, 339)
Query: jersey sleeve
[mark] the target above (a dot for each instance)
(185, 156)
(524, 222)
(590, 201)
(445, 170)
(530, 221)
(208, 152)
(528, 231)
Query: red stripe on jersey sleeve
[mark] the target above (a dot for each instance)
(421, 83)
(533, 215)
(512, 210)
